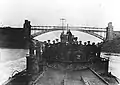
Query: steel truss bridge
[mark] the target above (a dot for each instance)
(97, 32)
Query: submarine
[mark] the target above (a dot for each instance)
(63, 63)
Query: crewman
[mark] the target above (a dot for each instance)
(93, 49)
(99, 49)
(57, 40)
(75, 43)
(57, 43)
(84, 49)
(44, 47)
(88, 50)
(88, 43)
(49, 42)
(80, 43)
(58, 48)
(85, 43)
(62, 36)
(69, 32)
(53, 51)
(48, 50)
(69, 36)
(76, 40)
(53, 42)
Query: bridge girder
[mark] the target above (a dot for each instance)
(91, 32)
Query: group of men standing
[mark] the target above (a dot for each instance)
(69, 48)
(66, 51)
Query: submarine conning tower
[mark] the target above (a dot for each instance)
(68, 37)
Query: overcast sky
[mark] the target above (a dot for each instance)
(48, 12)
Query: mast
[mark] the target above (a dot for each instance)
(62, 21)
(67, 27)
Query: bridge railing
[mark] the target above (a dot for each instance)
(64, 27)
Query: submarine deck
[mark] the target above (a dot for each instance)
(53, 76)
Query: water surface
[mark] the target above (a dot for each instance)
(114, 64)
(11, 60)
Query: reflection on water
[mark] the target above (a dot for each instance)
(14, 59)
(11, 60)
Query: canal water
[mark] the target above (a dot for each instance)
(114, 64)
(14, 59)
(11, 60)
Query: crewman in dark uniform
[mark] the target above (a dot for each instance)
(62, 36)
(48, 44)
(88, 50)
(88, 44)
(48, 50)
(75, 43)
(80, 43)
(85, 43)
(58, 48)
(53, 42)
(85, 50)
(57, 40)
(93, 49)
(69, 36)
(99, 49)
(53, 51)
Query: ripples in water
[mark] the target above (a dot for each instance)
(11, 60)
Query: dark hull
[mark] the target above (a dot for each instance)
(84, 69)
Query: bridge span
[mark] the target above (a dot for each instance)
(104, 34)
(38, 30)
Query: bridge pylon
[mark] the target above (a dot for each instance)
(109, 32)
(27, 29)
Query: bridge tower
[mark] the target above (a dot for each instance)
(109, 32)
(27, 30)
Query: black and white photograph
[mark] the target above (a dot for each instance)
(59, 42)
